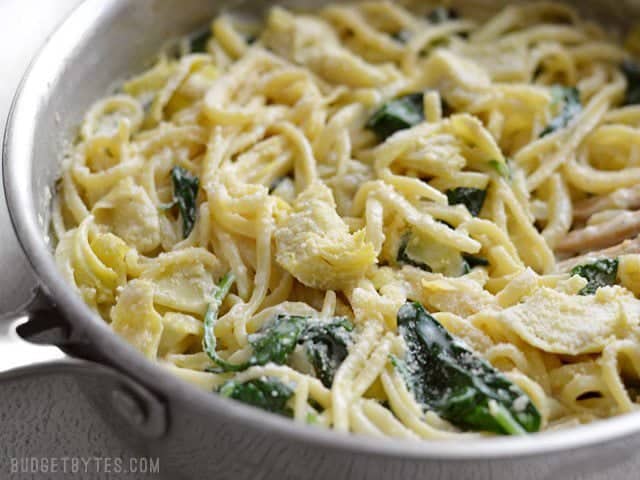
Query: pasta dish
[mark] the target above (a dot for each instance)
(417, 223)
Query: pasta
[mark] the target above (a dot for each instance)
(316, 213)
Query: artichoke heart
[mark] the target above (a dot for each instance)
(314, 244)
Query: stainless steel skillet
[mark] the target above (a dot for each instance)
(198, 434)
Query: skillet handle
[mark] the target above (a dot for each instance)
(139, 408)
(19, 357)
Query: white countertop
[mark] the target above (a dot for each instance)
(48, 416)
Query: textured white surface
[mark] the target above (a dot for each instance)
(48, 416)
(24, 24)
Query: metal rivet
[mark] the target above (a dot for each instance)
(128, 407)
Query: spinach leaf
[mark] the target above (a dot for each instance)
(185, 191)
(442, 14)
(272, 344)
(631, 71)
(569, 98)
(312, 418)
(403, 257)
(501, 168)
(431, 256)
(600, 273)
(471, 261)
(447, 110)
(472, 198)
(326, 347)
(198, 42)
(402, 36)
(269, 394)
(278, 340)
(325, 344)
(211, 316)
(399, 114)
(451, 380)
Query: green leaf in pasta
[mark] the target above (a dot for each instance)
(429, 255)
(568, 100)
(274, 343)
(269, 394)
(185, 192)
(312, 418)
(198, 42)
(404, 256)
(211, 316)
(600, 273)
(472, 198)
(399, 114)
(402, 36)
(442, 14)
(448, 378)
(501, 168)
(472, 261)
(326, 346)
(631, 71)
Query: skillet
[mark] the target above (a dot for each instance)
(197, 434)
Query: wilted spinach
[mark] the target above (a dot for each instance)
(399, 114)
(600, 273)
(631, 71)
(272, 344)
(472, 198)
(442, 14)
(210, 317)
(402, 36)
(471, 261)
(198, 42)
(415, 252)
(326, 346)
(501, 168)
(568, 99)
(269, 394)
(185, 191)
(451, 380)
(403, 257)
